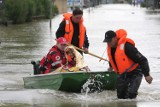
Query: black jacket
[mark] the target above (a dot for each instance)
(136, 56)
(75, 40)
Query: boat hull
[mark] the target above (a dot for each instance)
(70, 81)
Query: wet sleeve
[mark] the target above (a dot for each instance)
(86, 41)
(137, 57)
(43, 64)
(61, 30)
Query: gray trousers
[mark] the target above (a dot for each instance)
(128, 84)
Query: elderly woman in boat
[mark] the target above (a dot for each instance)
(75, 61)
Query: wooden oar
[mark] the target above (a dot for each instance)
(89, 53)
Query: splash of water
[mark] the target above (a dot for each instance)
(93, 84)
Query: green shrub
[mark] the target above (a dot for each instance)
(31, 10)
(20, 11)
(54, 10)
(143, 4)
(47, 5)
(16, 10)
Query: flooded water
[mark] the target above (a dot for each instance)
(22, 43)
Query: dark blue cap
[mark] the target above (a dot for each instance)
(109, 35)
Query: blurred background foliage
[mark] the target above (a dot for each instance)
(20, 11)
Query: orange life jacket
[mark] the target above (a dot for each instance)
(69, 29)
(123, 63)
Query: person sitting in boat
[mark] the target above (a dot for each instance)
(55, 57)
(75, 61)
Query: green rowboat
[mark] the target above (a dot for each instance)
(72, 81)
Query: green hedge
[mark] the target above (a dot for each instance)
(20, 11)
(143, 4)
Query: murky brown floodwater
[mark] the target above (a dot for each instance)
(25, 42)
